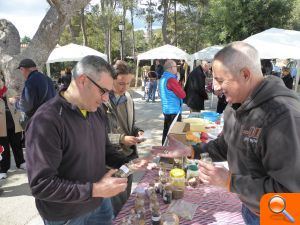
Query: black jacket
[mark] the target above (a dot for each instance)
(38, 88)
(65, 154)
(195, 89)
(288, 81)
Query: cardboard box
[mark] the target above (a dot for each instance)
(196, 124)
(178, 130)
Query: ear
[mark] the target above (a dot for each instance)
(81, 80)
(245, 72)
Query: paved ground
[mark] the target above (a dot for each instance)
(17, 206)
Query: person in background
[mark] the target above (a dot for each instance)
(38, 89)
(182, 73)
(171, 94)
(222, 103)
(152, 76)
(195, 88)
(261, 134)
(68, 149)
(65, 78)
(159, 69)
(1, 151)
(122, 131)
(287, 77)
(10, 134)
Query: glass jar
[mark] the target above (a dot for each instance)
(192, 171)
(167, 194)
(177, 177)
(169, 219)
(204, 157)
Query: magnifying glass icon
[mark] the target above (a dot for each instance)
(277, 205)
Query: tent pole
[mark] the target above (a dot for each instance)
(298, 74)
(136, 73)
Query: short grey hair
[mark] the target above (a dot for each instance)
(92, 66)
(168, 64)
(239, 55)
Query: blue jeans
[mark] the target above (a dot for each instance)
(100, 216)
(249, 217)
(152, 90)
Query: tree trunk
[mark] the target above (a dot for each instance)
(43, 42)
(83, 28)
(124, 31)
(175, 23)
(133, 37)
(165, 4)
(72, 33)
(104, 22)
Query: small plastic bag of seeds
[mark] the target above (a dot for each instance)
(183, 209)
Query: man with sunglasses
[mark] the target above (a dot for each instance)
(68, 150)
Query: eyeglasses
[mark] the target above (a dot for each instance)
(102, 90)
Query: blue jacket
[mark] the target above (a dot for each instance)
(38, 88)
(171, 104)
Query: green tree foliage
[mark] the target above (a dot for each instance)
(295, 25)
(25, 40)
(199, 23)
(232, 20)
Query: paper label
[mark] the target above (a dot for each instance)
(125, 169)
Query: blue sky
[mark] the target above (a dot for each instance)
(26, 15)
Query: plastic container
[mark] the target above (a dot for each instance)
(177, 177)
(192, 171)
(210, 116)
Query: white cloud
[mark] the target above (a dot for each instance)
(26, 15)
(27, 26)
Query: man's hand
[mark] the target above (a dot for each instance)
(171, 152)
(175, 149)
(109, 186)
(130, 140)
(214, 175)
(140, 163)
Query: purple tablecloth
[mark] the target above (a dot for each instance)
(216, 205)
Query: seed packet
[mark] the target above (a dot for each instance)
(183, 209)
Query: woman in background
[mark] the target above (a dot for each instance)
(287, 77)
(10, 134)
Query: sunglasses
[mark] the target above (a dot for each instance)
(102, 90)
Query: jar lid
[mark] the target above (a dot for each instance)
(177, 173)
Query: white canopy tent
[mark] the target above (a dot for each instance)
(163, 52)
(71, 52)
(277, 43)
(207, 53)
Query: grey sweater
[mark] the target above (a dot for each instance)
(261, 142)
(66, 153)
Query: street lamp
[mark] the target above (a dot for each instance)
(121, 29)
